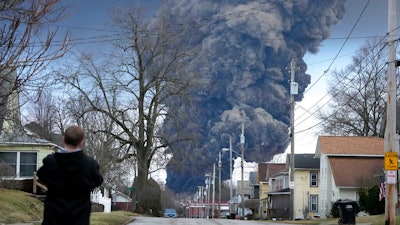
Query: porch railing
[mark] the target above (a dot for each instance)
(37, 184)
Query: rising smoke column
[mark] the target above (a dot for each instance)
(241, 77)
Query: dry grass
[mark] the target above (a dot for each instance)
(375, 220)
(113, 218)
(18, 206)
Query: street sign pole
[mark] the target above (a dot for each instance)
(391, 146)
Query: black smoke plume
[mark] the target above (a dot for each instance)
(241, 74)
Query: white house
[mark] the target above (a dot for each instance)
(347, 163)
(122, 201)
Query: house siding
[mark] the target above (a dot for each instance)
(351, 194)
(42, 153)
(325, 187)
(263, 190)
(264, 199)
(41, 150)
(302, 192)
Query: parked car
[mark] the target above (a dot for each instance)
(225, 214)
(171, 213)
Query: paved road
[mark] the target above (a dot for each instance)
(194, 221)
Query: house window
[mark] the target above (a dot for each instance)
(8, 163)
(313, 203)
(28, 163)
(19, 164)
(313, 179)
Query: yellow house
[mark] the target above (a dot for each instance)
(23, 155)
(263, 188)
(306, 186)
(265, 173)
(21, 150)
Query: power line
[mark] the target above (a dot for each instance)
(333, 113)
(349, 81)
(308, 110)
(351, 70)
(341, 48)
(201, 23)
(330, 65)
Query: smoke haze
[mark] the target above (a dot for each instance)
(241, 76)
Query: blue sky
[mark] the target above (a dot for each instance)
(89, 19)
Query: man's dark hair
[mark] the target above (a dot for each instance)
(73, 135)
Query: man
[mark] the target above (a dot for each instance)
(70, 175)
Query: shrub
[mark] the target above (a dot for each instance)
(373, 205)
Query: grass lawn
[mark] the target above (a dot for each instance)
(19, 207)
(113, 218)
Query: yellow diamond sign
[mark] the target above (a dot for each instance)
(391, 161)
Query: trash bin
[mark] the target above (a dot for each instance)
(347, 211)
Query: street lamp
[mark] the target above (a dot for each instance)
(213, 195)
(230, 166)
(199, 200)
(242, 140)
(241, 165)
(207, 207)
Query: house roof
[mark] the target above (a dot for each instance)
(23, 136)
(121, 195)
(355, 171)
(304, 161)
(273, 169)
(349, 145)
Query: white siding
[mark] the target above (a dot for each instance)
(351, 194)
(323, 203)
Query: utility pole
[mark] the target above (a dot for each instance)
(390, 133)
(230, 174)
(219, 185)
(213, 194)
(208, 189)
(293, 91)
(241, 165)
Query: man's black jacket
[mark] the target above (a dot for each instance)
(69, 177)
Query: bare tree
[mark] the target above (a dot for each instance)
(168, 199)
(43, 115)
(48, 119)
(101, 143)
(27, 43)
(130, 90)
(358, 94)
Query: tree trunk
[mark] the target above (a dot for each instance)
(141, 179)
